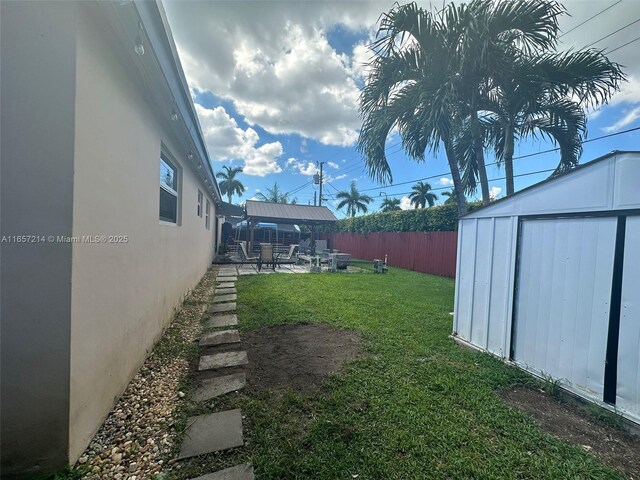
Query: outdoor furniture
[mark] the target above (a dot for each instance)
(291, 257)
(243, 254)
(266, 256)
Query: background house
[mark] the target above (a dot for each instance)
(109, 214)
(549, 279)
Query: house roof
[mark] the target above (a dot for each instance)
(288, 213)
(164, 73)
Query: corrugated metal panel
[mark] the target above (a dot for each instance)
(288, 212)
(466, 274)
(562, 300)
(628, 383)
(426, 252)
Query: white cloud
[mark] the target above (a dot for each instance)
(405, 203)
(274, 62)
(341, 176)
(227, 141)
(494, 192)
(629, 117)
(333, 165)
(302, 167)
(445, 182)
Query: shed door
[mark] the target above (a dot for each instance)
(561, 311)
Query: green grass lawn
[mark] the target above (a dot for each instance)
(416, 407)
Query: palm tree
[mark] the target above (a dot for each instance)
(407, 89)
(275, 195)
(354, 200)
(537, 100)
(230, 185)
(451, 197)
(390, 205)
(421, 195)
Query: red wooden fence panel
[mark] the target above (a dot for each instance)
(426, 252)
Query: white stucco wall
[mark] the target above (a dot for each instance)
(123, 295)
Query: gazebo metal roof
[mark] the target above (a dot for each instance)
(288, 213)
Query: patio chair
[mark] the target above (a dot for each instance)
(243, 254)
(266, 256)
(291, 257)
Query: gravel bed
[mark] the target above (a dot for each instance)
(136, 439)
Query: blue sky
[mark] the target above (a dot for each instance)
(276, 83)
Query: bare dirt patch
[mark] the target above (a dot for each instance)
(298, 356)
(615, 447)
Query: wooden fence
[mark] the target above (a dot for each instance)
(426, 252)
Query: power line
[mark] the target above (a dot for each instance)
(621, 46)
(551, 150)
(612, 33)
(589, 19)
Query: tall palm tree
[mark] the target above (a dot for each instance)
(275, 195)
(354, 200)
(230, 185)
(537, 99)
(390, 205)
(408, 88)
(421, 195)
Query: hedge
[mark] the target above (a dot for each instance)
(434, 219)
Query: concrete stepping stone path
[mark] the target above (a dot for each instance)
(214, 387)
(211, 433)
(229, 297)
(222, 307)
(239, 472)
(220, 338)
(222, 360)
(226, 284)
(224, 291)
(230, 278)
(222, 321)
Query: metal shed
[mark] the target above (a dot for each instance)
(549, 279)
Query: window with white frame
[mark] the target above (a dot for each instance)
(168, 191)
(200, 203)
(207, 214)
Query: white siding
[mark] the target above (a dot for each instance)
(628, 384)
(563, 296)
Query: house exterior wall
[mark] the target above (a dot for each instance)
(539, 266)
(123, 294)
(37, 146)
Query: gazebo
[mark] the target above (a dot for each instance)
(285, 213)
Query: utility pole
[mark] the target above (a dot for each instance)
(320, 198)
(314, 198)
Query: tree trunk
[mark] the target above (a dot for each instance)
(229, 196)
(478, 148)
(508, 159)
(455, 175)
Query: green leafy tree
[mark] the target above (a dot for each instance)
(421, 195)
(353, 200)
(230, 185)
(275, 195)
(390, 205)
(451, 197)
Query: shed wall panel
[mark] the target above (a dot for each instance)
(464, 304)
(562, 302)
(628, 383)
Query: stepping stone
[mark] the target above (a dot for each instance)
(230, 297)
(230, 273)
(224, 291)
(220, 338)
(230, 278)
(239, 472)
(222, 321)
(212, 433)
(222, 307)
(222, 360)
(214, 387)
(226, 285)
